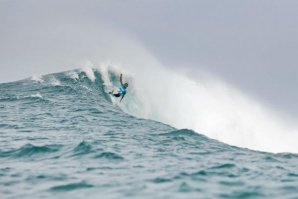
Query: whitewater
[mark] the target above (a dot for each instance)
(62, 136)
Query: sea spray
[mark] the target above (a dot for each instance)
(208, 105)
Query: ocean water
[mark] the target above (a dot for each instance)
(62, 136)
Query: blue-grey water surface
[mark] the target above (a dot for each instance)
(61, 137)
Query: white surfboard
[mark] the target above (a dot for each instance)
(110, 89)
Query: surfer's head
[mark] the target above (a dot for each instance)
(126, 85)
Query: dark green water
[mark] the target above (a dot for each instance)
(62, 137)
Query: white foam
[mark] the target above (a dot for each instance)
(37, 78)
(37, 95)
(103, 69)
(87, 69)
(73, 75)
(86, 88)
(55, 82)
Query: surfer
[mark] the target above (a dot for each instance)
(122, 89)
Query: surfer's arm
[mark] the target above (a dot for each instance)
(122, 97)
(121, 78)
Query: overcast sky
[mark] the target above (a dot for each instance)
(253, 44)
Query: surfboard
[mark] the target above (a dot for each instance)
(110, 89)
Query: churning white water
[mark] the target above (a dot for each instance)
(207, 105)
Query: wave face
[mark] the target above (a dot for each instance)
(63, 137)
